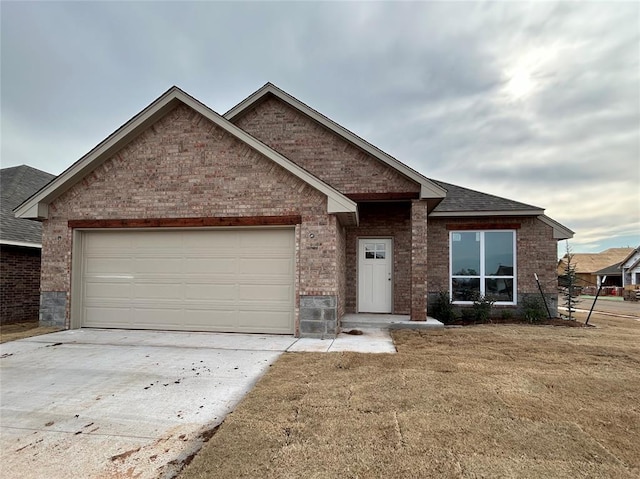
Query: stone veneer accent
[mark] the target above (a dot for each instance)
(318, 316)
(53, 308)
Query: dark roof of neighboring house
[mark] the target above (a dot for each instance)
(613, 270)
(463, 199)
(16, 185)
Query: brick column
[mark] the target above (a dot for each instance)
(418, 260)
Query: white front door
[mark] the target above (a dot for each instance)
(375, 275)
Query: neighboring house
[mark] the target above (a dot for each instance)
(20, 246)
(591, 267)
(609, 276)
(271, 219)
(630, 268)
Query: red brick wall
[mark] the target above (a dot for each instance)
(19, 284)
(186, 166)
(386, 220)
(320, 151)
(536, 252)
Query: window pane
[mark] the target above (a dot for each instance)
(465, 289)
(499, 289)
(380, 254)
(369, 255)
(465, 253)
(498, 259)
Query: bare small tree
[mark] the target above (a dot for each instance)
(570, 283)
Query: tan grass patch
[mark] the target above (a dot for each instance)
(11, 332)
(484, 401)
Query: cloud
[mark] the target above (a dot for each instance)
(539, 102)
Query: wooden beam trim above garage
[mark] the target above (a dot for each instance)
(188, 222)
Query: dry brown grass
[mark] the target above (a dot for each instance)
(11, 332)
(483, 401)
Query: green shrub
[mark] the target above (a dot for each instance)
(443, 309)
(506, 314)
(533, 310)
(468, 315)
(482, 309)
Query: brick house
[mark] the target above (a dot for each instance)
(271, 218)
(20, 246)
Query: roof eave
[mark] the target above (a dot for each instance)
(469, 213)
(560, 232)
(24, 244)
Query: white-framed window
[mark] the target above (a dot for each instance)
(483, 263)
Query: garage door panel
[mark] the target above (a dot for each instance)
(97, 290)
(149, 317)
(211, 292)
(211, 265)
(102, 265)
(207, 320)
(168, 264)
(162, 291)
(267, 320)
(265, 293)
(270, 240)
(115, 241)
(266, 266)
(209, 280)
(103, 316)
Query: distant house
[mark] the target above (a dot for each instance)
(592, 267)
(20, 246)
(610, 276)
(630, 268)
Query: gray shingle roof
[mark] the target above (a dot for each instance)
(16, 185)
(613, 270)
(460, 199)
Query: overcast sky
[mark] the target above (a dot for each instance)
(537, 102)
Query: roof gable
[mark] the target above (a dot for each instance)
(36, 207)
(625, 261)
(428, 189)
(16, 185)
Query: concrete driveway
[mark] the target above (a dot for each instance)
(138, 404)
(111, 403)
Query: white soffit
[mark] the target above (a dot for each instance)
(559, 232)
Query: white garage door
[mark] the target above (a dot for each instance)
(189, 280)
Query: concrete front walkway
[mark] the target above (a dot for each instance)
(114, 403)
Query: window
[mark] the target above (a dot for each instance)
(374, 251)
(483, 263)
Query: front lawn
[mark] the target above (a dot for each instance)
(485, 401)
(11, 332)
